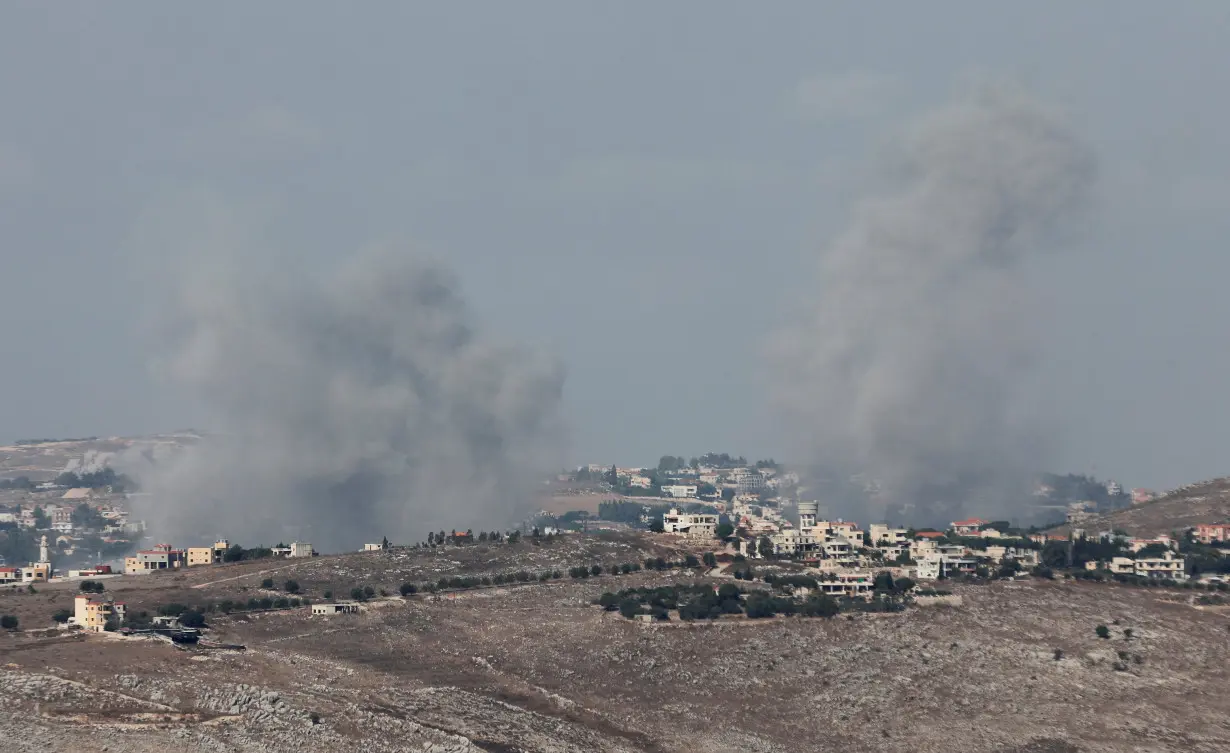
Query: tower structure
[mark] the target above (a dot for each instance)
(42, 550)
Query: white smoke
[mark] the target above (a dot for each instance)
(910, 365)
(346, 409)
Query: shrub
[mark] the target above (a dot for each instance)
(691, 561)
(408, 589)
(265, 603)
(281, 602)
(192, 619)
(328, 594)
(609, 601)
(369, 592)
(267, 583)
(314, 717)
(62, 616)
(294, 602)
(628, 607)
(8, 622)
(226, 606)
(1102, 631)
(291, 587)
(172, 610)
(1127, 634)
(1058, 654)
(356, 593)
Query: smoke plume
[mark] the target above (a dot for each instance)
(912, 363)
(347, 409)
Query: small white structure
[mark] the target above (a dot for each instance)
(301, 549)
(679, 491)
(336, 608)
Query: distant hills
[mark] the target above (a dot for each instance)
(1178, 510)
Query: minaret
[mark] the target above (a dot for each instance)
(42, 550)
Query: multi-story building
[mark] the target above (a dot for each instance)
(1023, 557)
(698, 525)
(936, 566)
(1167, 566)
(161, 557)
(207, 555)
(852, 583)
(1209, 534)
(848, 531)
(92, 613)
(881, 533)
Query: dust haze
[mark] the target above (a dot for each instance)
(344, 408)
(912, 360)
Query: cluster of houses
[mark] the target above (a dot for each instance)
(167, 557)
(846, 556)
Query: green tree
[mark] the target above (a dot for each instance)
(883, 582)
(724, 530)
(765, 547)
(709, 559)
(628, 607)
(728, 495)
(291, 587)
(407, 589)
(356, 593)
(609, 601)
(1102, 631)
(369, 592)
(62, 616)
(8, 622)
(267, 583)
(328, 594)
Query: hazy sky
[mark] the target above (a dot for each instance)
(640, 188)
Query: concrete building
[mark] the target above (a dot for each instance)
(697, 526)
(301, 549)
(1210, 534)
(91, 613)
(207, 555)
(852, 583)
(161, 557)
(936, 566)
(337, 608)
(880, 533)
(807, 515)
(679, 491)
(1166, 566)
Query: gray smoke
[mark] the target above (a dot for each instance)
(912, 364)
(347, 409)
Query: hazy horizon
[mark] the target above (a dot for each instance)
(643, 196)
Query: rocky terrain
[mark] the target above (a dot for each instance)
(1016, 667)
(1176, 511)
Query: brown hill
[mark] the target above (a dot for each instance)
(1178, 510)
(1016, 667)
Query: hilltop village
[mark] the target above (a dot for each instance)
(625, 622)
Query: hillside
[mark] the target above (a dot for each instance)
(43, 460)
(1016, 668)
(1203, 502)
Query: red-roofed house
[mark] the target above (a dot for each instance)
(928, 535)
(969, 527)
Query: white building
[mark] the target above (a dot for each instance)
(936, 566)
(338, 608)
(301, 549)
(679, 491)
(700, 525)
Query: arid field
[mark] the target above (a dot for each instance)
(535, 666)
